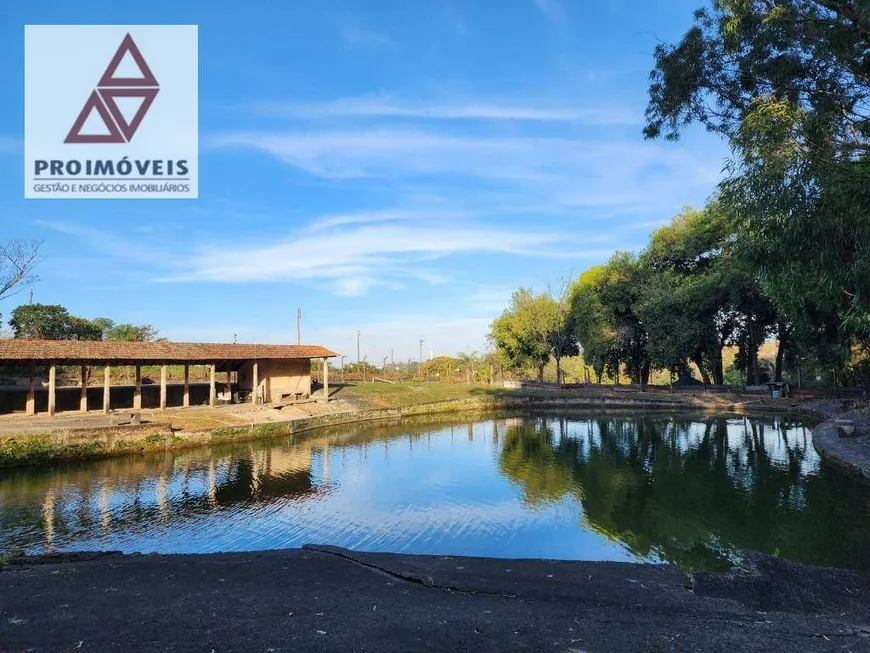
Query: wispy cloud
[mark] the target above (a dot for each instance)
(117, 247)
(561, 172)
(352, 260)
(385, 106)
(417, 213)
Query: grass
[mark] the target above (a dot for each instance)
(36, 448)
(402, 394)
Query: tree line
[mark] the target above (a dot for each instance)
(783, 251)
(54, 322)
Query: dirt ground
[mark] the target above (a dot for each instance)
(194, 418)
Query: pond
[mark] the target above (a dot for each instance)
(687, 489)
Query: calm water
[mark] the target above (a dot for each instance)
(659, 488)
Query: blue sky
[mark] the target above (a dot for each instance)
(396, 168)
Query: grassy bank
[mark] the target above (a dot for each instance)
(406, 393)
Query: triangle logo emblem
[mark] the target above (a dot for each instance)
(110, 87)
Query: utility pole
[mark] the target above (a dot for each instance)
(421, 350)
(298, 326)
(358, 359)
(342, 369)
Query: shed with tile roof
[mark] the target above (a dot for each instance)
(265, 373)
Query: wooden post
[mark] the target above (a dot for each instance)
(83, 391)
(212, 392)
(137, 392)
(52, 386)
(256, 382)
(230, 386)
(31, 390)
(164, 373)
(107, 393)
(325, 379)
(186, 401)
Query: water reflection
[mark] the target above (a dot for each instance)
(694, 492)
(619, 487)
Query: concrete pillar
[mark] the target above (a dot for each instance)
(52, 387)
(83, 390)
(164, 373)
(31, 391)
(212, 392)
(137, 392)
(186, 401)
(107, 389)
(326, 379)
(255, 382)
(230, 385)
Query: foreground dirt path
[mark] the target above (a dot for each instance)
(330, 599)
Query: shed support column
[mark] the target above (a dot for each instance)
(325, 379)
(255, 382)
(212, 392)
(137, 392)
(186, 401)
(52, 387)
(229, 386)
(164, 372)
(83, 391)
(31, 391)
(107, 392)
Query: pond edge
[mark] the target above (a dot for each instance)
(47, 447)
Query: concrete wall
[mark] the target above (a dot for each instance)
(277, 378)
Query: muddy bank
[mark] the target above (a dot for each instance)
(330, 599)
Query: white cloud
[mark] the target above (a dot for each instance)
(562, 172)
(386, 106)
(354, 259)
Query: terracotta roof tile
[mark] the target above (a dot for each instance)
(80, 351)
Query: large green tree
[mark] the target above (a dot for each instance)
(787, 83)
(531, 330)
(702, 296)
(592, 325)
(51, 322)
(605, 301)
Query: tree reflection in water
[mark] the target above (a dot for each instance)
(694, 492)
(688, 489)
